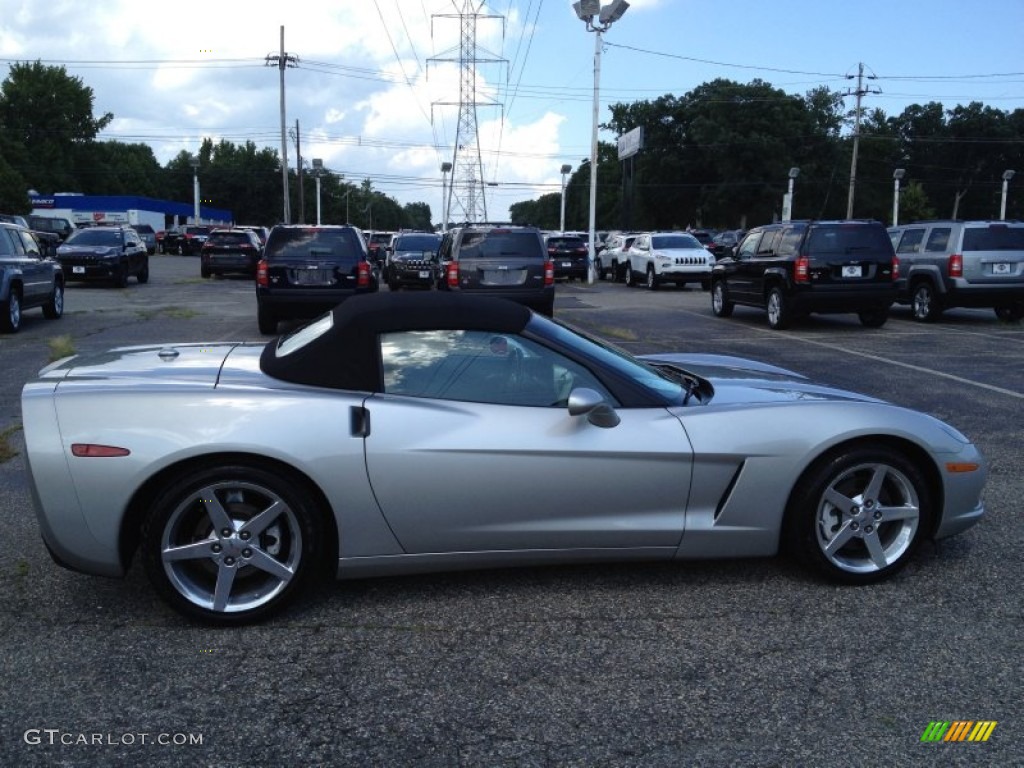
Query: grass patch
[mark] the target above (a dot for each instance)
(181, 313)
(6, 451)
(60, 347)
(623, 334)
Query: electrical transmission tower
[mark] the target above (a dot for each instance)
(467, 187)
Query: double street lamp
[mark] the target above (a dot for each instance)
(587, 11)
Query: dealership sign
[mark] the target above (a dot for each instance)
(631, 143)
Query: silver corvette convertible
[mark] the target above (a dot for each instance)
(405, 433)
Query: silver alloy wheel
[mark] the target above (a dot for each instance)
(867, 518)
(922, 302)
(14, 310)
(652, 279)
(231, 546)
(58, 300)
(774, 309)
(718, 298)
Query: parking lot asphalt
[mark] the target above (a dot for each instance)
(732, 663)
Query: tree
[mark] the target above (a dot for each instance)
(46, 117)
(13, 191)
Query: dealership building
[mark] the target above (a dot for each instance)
(87, 210)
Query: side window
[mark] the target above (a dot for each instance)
(748, 247)
(6, 246)
(938, 239)
(911, 241)
(789, 242)
(480, 367)
(767, 245)
(29, 243)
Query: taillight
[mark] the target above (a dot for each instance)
(452, 274)
(262, 273)
(802, 273)
(895, 267)
(956, 265)
(363, 275)
(549, 273)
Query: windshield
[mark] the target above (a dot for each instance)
(95, 237)
(675, 241)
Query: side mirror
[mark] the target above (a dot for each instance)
(584, 401)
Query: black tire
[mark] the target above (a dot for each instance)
(599, 267)
(617, 276)
(143, 276)
(10, 312)
(547, 309)
(780, 317)
(181, 249)
(236, 565)
(720, 304)
(266, 320)
(1011, 312)
(924, 303)
(628, 277)
(54, 308)
(873, 318)
(652, 279)
(204, 271)
(872, 533)
(121, 276)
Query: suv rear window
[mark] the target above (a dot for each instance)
(229, 238)
(298, 242)
(417, 243)
(843, 239)
(497, 243)
(998, 237)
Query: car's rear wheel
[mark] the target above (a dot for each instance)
(652, 279)
(779, 314)
(266, 320)
(1010, 312)
(859, 513)
(873, 318)
(231, 544)
(10, 312)
(628, 278)
(54, 308)
(924, 304)
(720, 304)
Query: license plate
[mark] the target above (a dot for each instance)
(311, 277)
(78, 270)
(1002, 268)
(852, 271)
(424, 275)
(502, 277)
(566, 263)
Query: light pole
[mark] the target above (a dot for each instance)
(445, 168)
(566, 169)
(195, 188)
(1007, 175)
(586, 10)
(787, 203)
(318, 169)
(897, 176)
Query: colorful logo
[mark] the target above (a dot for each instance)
(959, 730)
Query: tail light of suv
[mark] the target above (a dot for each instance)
(262, 273)
(802, 270)
(895, 267)
(363, 275)
(549, 272)
(956, 265)
(451, 274)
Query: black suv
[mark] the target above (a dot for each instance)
(499, 260)
(28, 278)
(307, 270)
(104, 253)
(412, 259)
(230, 250)
(797, 267)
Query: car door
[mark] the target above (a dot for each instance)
(471, 448)
(36, 272)
(739, 271)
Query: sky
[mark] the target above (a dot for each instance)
(374, 86)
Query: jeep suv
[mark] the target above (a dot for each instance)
(104, 253)
(794, 268)
(412, 259)
(961, 264)
(307, 270)
(499, 260)
(27, 278)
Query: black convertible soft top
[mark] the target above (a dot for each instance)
(346, 355)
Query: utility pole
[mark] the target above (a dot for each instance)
(298, 171)
(283, 60)
(467, 184)
(859, 93)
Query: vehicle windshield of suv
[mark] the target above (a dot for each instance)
(997, 237)
(314, 242)
(497, 243)
(675, 241)
(844, 239)
(417, 243)
(95, 236)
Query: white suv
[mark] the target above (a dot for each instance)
(668, 257)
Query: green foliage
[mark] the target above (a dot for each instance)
(13, 190)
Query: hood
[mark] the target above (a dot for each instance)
(739, 380)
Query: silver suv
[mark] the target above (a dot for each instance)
(948, 263)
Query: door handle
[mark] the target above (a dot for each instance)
(359, 421)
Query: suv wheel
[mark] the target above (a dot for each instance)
(925, 303)
(628, 278)
(873, 318)
(143, 276)
(652, 279)
(266, 321)
(779, 314)
(54, 308)
(720, 304)
(10, 312)
(1011, 312)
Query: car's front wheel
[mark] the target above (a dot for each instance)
(779, 314)
(720, 304)
(859, 513)
(231, 544)
(629, 279)
(143, 276)
(652, 279)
